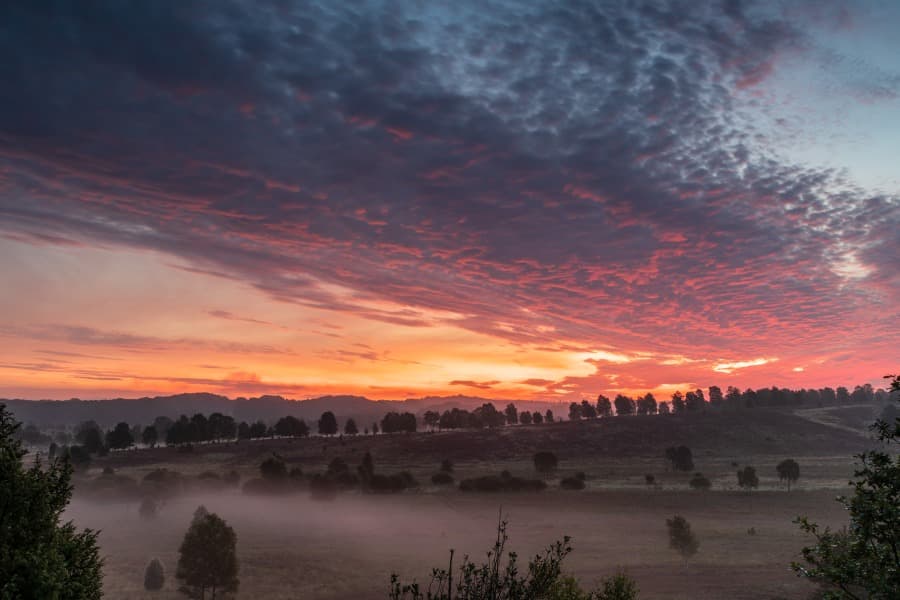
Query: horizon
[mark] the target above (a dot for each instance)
(396, 202)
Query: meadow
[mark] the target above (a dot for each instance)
(291, 546)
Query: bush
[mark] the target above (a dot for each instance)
(649, 479)
(154, 576)
(544, 462)
(163, 481)
(493, 579)
(273, 469)
(493, 483)
(572, 483)
(699, 482)
(442, 478)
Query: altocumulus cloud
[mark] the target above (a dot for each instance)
(589, 169)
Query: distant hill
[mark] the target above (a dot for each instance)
(61, 413)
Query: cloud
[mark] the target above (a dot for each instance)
(581, 173)
(481, 385)
(730, 367)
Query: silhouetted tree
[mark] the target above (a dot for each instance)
(681, 458)
(537, 418)
(512, 415)
(663, 408)
(149, 436)
(291, 426)
(221, 427)
(39, 556)
(431, 418)
(624, 405)
(604, 406)
(747, 478)
(350, 427)
(587, 410)
(548, 417)
(574, 412)
(374, 428)
(646, 405)
(545, 462)
(120, 437)
(207, 560)
(396, 422)
(715, 396)
(77, 456)
(695, 401)
(154, 576)
(677, 403)
(842, 395)
(327, 423)
(788, 470)
(488, 415)
(88, 435)
(681, 538)
(525, 417)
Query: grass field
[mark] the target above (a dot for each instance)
(295, 547)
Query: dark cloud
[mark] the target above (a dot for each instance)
(580, 168)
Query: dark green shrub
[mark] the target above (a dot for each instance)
(154, 576)
(572, 483)
(544, 462)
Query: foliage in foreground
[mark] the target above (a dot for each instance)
(499, 578)
(207, 559)
(863, 560)
(39, 557)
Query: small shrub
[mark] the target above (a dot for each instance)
(154, 576)
(544, 462)
(617, 587)
(751, 531)
(273, 469)
(109, 471)
(699, 482)
(494, 483)
(649, 479)
(572, 483)
(442, 478)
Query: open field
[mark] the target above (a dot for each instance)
(294, 547)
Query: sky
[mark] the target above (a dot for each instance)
(522, 200)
